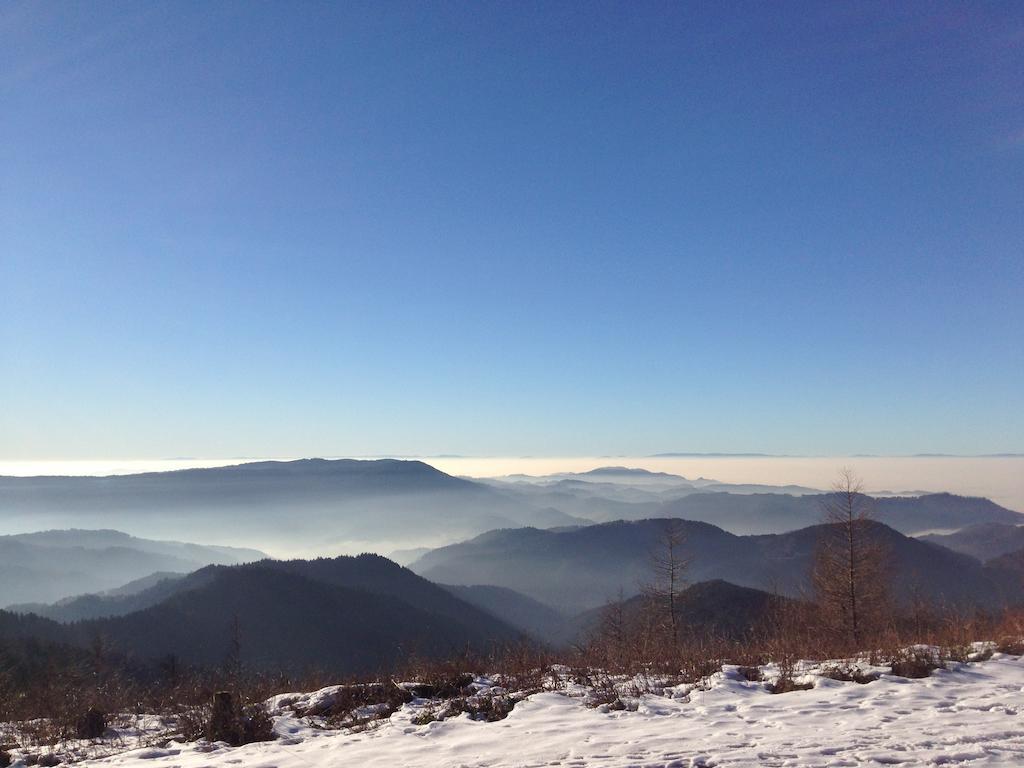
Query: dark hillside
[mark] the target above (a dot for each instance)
(576, 570)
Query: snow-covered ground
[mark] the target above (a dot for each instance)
(969, 714)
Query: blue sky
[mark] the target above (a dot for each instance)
(502, 229)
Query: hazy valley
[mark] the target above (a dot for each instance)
(535, 555)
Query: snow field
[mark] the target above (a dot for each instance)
(969, 714)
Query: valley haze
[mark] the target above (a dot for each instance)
(994, 477)
(999, 477)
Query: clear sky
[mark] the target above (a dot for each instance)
(521, 228)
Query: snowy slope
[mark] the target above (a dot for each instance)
(971, 714)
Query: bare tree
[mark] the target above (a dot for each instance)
(850, 568)
(669, 564)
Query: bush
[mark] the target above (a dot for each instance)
(439, 678)
(915, 664)
(442, 687)
(485, 707)
(604, 696)
(91, 725)
(1013, 646)
(229, 721)
(488, 708)
(983, 655)
(750, 674)
(696, 670)
(848, 674)
(340, 710)
(425, 717)
(788, 685)
(786, 682)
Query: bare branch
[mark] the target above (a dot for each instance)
(850, 570)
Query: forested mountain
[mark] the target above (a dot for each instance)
(709, 608)
(982, 540)
(1012, 562)
(135, 596)
(579, 569)
(341, 615)
(541, 622)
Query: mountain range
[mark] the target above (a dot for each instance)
(340, 615)
(51, 565)
(319, 506)
(493, 559)
(328, 505)
(134, 596)
(578, 569)
(984, 541)
(350, 614)
(753, 509)
(354, 613)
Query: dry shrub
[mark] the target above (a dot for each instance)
(786, 681)
(848, 673)
(1014, 646)
(751, 674)
(526, 669)
(916, 663)
(342, 711)
(788, 685)
(228, 719)
(486, 707)
(440, 678)
(1010, 631)
(604, 697)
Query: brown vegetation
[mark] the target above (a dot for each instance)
(850, 571)
(664, 591)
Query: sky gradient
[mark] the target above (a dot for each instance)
(304, 229)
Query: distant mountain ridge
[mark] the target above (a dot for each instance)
(135, 596)
(776, 513)
(106, 538)
(51, 565)
(613, 493)
(338, 504)
(984, 541)
(324, 506)
(579, 569)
